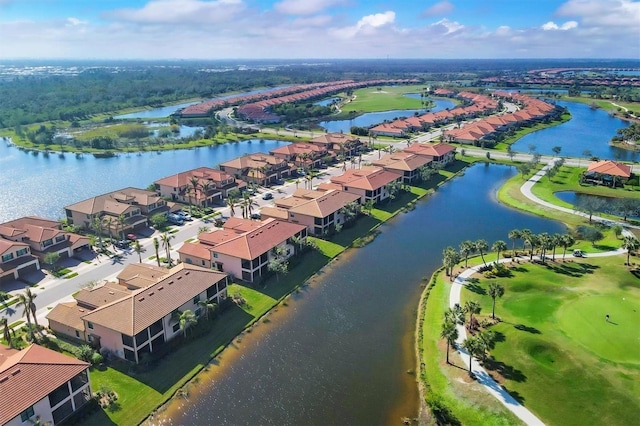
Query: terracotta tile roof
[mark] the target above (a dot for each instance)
(434, 150)
(311, 203)
(33, 220)
(203, 174)
(246, 240)
(367, 178)
(274, 212)
(139, 275)
(254, 161)
(337, 138)
(103, 294)
(403, 161)
(612, 168)
(31, 374)
(299, 149)
(6, 245)
(326, 186)
(143, 307)
(68, 313)
(115, 202)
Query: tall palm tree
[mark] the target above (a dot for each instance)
(156, 245)
(556, 240)
(187, 320)
(206, 187)
(195, 185)
(631, 244)
(473, 346)
(449, 332)
(30, 297)
(108, 221)
(6, 331)
(232, 201)
(98, 227)
(24, 303)
(523, 236)
(566, 241)
(544, 240)
(472, 308)
(166, 243)
(122, 221)
(481, 247)
(138, 249)
(454, 315)
(467, 248)
(495, 291)
(499, 246)
(209, 308)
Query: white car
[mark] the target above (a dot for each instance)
(185, 216)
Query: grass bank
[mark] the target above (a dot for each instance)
(556, 353)
(143, 390)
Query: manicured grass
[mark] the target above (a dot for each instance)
(370, 99)
(461, 400)
(556, 352)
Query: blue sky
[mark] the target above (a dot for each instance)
(219, 29)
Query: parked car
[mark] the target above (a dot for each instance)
(122, 244)
(175, 219)
(255, 216)
(267, 196)
(132, 237)
(578, 253)
(185, 216)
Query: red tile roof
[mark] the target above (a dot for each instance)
(367, 178)
(31, 374)
(612, 168)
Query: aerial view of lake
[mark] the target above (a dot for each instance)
(53, 182)
(347, 341)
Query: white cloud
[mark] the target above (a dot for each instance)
(551, 26)
(366, 25)
(438, 9)
(73, 22)
(305, 7)
(603, 13)
(447, 26)
(186, 12)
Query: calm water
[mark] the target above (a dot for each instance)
(339, 353)
(326, 102)
(373, 118)
(39, 185)
(588, 129)
(576, 198)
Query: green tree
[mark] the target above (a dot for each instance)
(449, 332)
(454, 315)
(450, 259)
(50, 259)
(6, 331)
(630, 244)
(556, 150)
(278, 262)
(514, 235)
(209, 308)
(474, 347)
(122, 222)
(589, 205)
(481, 247)
(193, 190)
(472, 308)
(97, 225)
(467, 248)
(495, 291)
(166, 243)
(137, 247)
(187, 320)
(159, 221)
(566, 241)
(499, 246)
(156, 246)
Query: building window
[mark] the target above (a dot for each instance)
(77, 334)
(198, 312)
(203, 262)
(215, 255)
(22, 252)
(60, 238)
(27, 414)
(176, 327)
(47, 243)
(90, 325)
(196, 299)
(7, 257)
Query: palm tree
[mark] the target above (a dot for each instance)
(499, 246)
(232, 201)
(454, 315)
(195, 185)
(156, 245)
(481, 247)
(205, 187)
(495, 291)
(32, 306)
(566, 241)
(472, 308)
(108, 221)
(544, 241)
(531, 240)
(203, 229)
(450, 259)
(6, 331)
(187, 320)
(166, 243)
(523, 234)
(449, 332)
(209, 308)
(631, 244)
(138, 249)
(473, 346)
(98, 228)
(467, 248)
(122, 221)
(24, 303)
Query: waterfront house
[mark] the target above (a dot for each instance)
(134, 205)
(338, 143)
(319, 211)
(140, 315)
(211, 186)
(40, 386)
(388, 129)
(259, 168)
(302, 155)
(243, 247)
(405, 164)
(607, 172)
(16, 260)
(441, 154)
(370, 183)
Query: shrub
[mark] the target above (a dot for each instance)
(85, 353)
(96, 359)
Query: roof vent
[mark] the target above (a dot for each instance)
(160, 288)
(111, 292)
(170, 282)
(151, 294)
(13, 373)
(141, 299)
(4, 379)
(179, 278)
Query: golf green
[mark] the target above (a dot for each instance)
(618, 340)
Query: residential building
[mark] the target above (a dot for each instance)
(406, 164)
(388, 129)
(26, 241)
(302, 155)
(338, 143)
(370, 183)
(142, 314)
(203, 186)
(243, 247)
(607, 172)
(441, 154)
(259, 168)
(135, 206)
(40, 386)
(319, 211)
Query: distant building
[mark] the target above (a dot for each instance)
(211, 186)
(370, 183)
(259, 168)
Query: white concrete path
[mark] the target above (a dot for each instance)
(480, 373)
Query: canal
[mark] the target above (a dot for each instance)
(342, 351)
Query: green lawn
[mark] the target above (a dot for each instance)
(370, 99)
(556, 352)
(461, 400)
